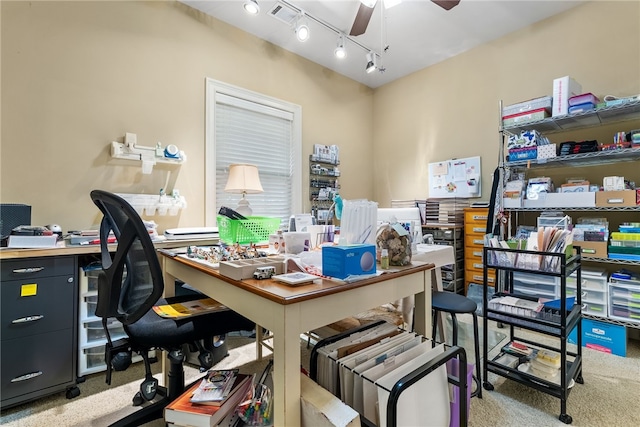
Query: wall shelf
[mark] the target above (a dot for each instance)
(597, 117)
(147, 156)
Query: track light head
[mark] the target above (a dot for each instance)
(252, 7)
(369, 3)
(340, 51)
(302, 29)
(371, 63)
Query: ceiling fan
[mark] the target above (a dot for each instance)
(365, 11)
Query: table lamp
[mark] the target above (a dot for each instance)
(243, 179)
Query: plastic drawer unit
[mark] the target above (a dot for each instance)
(594, 291)
(547, 287)
(91, 335)
(624, 300)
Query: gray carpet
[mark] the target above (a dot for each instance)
(609, 397)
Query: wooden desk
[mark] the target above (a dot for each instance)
(289, 311)
(78, 250)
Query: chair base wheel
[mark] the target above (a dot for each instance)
(488, 386)
(73, 392)
(565, 418)
(138, 399)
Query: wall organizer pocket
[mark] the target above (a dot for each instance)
(152, 204)
(148, 156)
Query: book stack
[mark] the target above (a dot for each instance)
(211, 400)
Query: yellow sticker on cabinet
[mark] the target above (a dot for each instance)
(28, 289)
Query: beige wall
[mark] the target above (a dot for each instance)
(77, 75)
(451, 109)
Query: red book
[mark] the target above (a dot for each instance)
(182, 412)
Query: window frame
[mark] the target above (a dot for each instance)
(214, 87)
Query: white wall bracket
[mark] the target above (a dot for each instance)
(148, 156)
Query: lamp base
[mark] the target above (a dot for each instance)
(243, 208)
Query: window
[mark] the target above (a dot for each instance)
(247, 127)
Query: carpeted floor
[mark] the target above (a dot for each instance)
(609, 397)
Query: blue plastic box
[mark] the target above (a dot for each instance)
(347, 260)
(602, 336)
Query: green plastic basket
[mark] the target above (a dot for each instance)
(254, 229)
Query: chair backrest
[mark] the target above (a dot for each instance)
(131, 282)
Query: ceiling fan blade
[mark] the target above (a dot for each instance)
(446, 4)
(362, 20)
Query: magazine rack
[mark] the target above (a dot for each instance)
(451, 354)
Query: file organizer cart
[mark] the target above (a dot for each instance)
(553, 322)
(458, 375)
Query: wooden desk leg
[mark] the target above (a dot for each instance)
(286, 367)
(422, 310)
(259, 338)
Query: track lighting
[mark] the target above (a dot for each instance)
(302, 29)
(252, 7)
(340, 51)
(371, 62)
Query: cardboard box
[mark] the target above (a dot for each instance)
(531, 116)
(570, 188)
(563, 89)
(343, 261)
(613, 183)
(528, 153)
(562, 200)
(602, 336)
(320, 408)
(592, 249)
(512, 202)
(547, 151)
(616, 198)
(526, 106)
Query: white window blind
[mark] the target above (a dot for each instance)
(244, 127)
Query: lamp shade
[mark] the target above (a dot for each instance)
(243, 178)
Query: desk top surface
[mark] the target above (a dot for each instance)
(285, 294)
(63, 249)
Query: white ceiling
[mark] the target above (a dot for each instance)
(418, 33)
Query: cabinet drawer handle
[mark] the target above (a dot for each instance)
(26, 377)
(479, 229)
(28, 319)
(28, 270)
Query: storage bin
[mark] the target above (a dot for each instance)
(602, 336)
(538, 285)
(543, 102)
(94, 357)
(245, 231)
(92, 304)
(95, 332)
(624, 300)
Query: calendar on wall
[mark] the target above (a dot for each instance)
(455, 178)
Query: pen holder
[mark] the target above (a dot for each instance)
(257, 409)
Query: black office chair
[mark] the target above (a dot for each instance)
(129, 286)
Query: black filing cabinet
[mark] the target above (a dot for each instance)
(39, 327)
